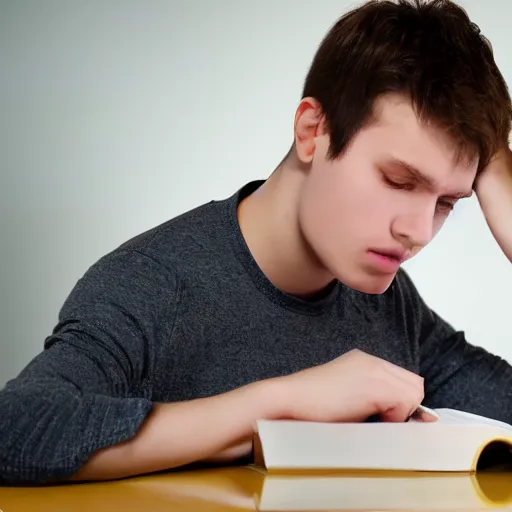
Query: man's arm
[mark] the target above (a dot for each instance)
(82, 409)
(494, 192)
(91, 386)
(457, 374)
(216, 429)
(462, 376)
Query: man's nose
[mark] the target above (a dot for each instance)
(414, 231)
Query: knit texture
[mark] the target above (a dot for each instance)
(183, 311)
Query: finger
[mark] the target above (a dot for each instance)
(398, 400)
(410, 383)
(425, 415)
(396, 414)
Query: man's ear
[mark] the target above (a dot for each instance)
(309, 124)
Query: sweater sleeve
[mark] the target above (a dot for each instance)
(90, 387)
(457, 374)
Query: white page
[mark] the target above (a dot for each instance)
(454, 417)
(402, 446)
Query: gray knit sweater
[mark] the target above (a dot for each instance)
(183, 311)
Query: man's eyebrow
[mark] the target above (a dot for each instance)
(459, 195)
(424, 180)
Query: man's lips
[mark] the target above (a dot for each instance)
(393, 254)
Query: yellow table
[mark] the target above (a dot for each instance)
(247, 488)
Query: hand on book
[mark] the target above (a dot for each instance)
(352, 388)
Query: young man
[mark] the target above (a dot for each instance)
(287, 300)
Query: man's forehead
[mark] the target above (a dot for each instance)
(392, 107)
(418, 142)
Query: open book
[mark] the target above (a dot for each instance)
(456, 442)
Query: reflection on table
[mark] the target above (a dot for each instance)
(249, 488)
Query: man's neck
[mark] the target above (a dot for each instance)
(269, 221)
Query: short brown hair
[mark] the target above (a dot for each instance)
(430, 51)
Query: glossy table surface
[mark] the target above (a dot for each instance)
(247, 488)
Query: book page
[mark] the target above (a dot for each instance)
(296, 445)
(455, 417)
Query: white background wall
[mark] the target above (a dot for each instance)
(117, 115)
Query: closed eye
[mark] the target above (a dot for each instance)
(445, 206)
(442, 206)
(398, 185)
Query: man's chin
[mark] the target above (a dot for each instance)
(370, 284)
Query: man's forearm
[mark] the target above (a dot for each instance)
(217, 428)
(494, 191)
